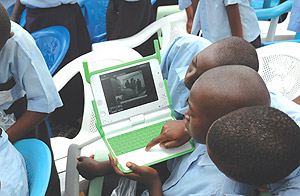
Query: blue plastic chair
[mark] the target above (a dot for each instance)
(38, 163)
(94, 12)
(273, 13)
(54, 43)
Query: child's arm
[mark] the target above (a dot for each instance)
(146, 175)
(18, 9)
(90, 169)
(24, 125)
(234, 19)
(173, 134)
(190, 18)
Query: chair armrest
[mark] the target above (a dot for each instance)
(268, 13)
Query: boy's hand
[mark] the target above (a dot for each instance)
(173, 134)
(146, 175)
(90, 169)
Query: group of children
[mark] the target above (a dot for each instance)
(224, 84)
(219, 100)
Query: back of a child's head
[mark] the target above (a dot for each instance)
(235, 51)
(226, 88)
(255, 145)
(4, 26)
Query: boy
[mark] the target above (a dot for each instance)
(216, 93)
(257, 145)
(183, 62)
(219, 19)
(26, 87)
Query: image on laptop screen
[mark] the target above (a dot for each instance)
(128, 88)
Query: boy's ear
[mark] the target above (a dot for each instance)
(11, 34)
(263, 188)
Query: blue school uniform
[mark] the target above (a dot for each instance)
(46, 3)
(23, 61)
(294, 24)
(13, 174)
(26, 84)
(175, 61)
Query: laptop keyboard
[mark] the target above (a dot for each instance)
(136, 139)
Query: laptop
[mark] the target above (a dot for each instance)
(131, 104)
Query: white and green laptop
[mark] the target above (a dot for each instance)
(131, 104)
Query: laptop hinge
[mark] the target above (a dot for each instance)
(138, 119)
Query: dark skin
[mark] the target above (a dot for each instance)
(90, 169)
(234, 19)
(174, 133)
(26, 123)
(18, 9)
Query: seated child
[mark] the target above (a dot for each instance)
(13, 174)
(258, 146)
(26, 86)
(216, 92)
(228, 51)
(184, 61)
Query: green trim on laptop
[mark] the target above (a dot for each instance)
(98, 121)
(168, 92)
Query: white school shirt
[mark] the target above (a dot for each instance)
(46, 3)
(13, 174)
(211, 17)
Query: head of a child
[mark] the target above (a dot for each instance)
(220, 91)
(255, 145)
(228, 51)
(4, 26)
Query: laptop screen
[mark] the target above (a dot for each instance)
(128, 88)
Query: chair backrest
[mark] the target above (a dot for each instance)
(107, 55)
(54, 43)
(273, 13)
(172, 26)
(94, 12)
(279, 66)
(38, 164)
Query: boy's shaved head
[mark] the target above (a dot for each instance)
(236, 51)
(4, 26)
(228, 51)
(255, 145)
(222, 90)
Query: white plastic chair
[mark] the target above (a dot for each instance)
(66, 150)
(172, 26)
(279, 66)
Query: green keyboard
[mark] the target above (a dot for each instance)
(136, 139)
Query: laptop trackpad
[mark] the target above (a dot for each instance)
(154, 155)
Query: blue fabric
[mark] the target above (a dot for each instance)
(175, 60)
(46, 3)
(13, 175)
(183, 4)
(294, 24)
(195, 174)
(22, 60)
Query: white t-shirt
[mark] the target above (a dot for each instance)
(211, 17)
